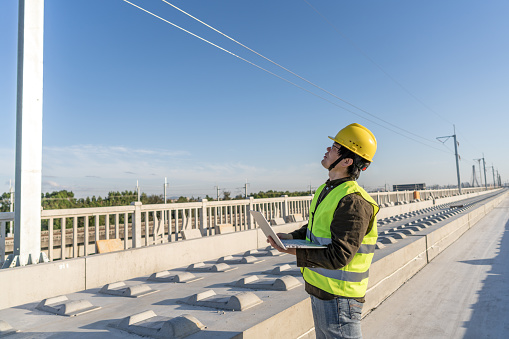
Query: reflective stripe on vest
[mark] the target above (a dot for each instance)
(365, 248)
(340, 274)
(351, 280)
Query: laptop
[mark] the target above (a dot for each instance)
(283, 243)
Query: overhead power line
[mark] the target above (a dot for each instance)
(354, 45)
(404, 88)
(286, 80)
(293, 73)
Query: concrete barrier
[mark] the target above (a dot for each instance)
(389, 272)
(25, 284)
(441, 238)
(297, 319)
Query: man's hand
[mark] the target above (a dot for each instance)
(280, 249)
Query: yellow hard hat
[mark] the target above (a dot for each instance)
(357, 139)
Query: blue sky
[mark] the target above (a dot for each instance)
(129, 97)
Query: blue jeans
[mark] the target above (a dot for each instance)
(337, 318)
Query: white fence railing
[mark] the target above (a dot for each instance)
(140, 225)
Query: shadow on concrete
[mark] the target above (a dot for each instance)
(101, 324)
(61, 335)
(490, 313)
(480, 262)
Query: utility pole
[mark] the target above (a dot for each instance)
(456, 154)
(138, 190)
(245, 189)
(474, 177)
(480, 172)
(484, 166)
(217, 192)
(27, 207)
(165, 186)
(493, 171)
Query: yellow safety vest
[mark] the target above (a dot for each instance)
(352, 279)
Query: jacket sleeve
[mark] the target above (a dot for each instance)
(300, 233)
(348, 227)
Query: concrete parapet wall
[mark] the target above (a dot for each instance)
(21, 285)
(415, 206)
(440, 239)
(297, 320)
(388, 273)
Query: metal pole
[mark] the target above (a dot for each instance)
(11, 206)
(493, 171)
(457, 160)
(27, 207)
(165, 185)
(484, 166)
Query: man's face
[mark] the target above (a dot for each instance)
(331, 155)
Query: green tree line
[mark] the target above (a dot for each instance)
(65, 199)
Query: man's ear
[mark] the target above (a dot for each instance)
(347, 162)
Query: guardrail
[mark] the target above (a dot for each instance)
(140, 225)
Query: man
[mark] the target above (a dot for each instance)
(343, 217)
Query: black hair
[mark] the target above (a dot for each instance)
(359, 163)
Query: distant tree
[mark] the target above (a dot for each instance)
(226, 195)
(182, 199)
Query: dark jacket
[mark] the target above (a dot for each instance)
(349, 226)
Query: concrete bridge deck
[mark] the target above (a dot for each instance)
(286, 314)
(462, 293)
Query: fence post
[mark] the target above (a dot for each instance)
(250, 217)
(285, 207)
(136, 224)
(204, 218)
(2, 242)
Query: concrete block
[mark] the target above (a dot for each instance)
(252, 253)
(6, 329)
(284, 270)
(202, 267)
(120, 289)
(148, 324)
(277, 221)
(65, 307)
(407, 231)
(105, 268)
(224, 228)
(387, 240)
(284, 283)
(238, 302)
(397, 235)
(272, 253)
(192, 233)
(109, 245)
(244, 260)
(165, 276)
(294, 218)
